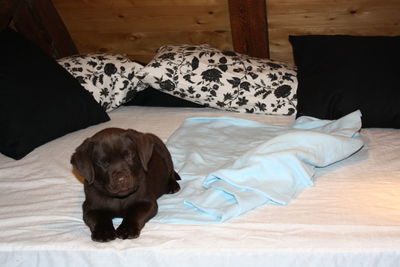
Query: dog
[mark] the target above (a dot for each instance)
(125, 172)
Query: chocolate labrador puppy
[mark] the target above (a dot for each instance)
(124, 173)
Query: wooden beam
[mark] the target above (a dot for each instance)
(249, 27)
(39, 21)
(7, 9)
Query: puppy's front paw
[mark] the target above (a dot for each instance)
(103, 235)
(127, 232)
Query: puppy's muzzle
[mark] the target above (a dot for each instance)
(120, 179)
(121, 182)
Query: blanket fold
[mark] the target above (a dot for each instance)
(230, 166)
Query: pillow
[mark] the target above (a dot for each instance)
(110, 78)
(155, 98)
(339, 74)
(40, 100)
(223, 80)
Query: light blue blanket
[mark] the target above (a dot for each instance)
(230, 166)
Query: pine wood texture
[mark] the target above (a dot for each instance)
(7, 9)
(353, 17)
(39, 21)
(136, 28)
(249, 27)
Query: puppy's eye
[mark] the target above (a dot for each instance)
(103, 163)
(128, 156)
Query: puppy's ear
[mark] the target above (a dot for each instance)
(81, 160)
(144, 145)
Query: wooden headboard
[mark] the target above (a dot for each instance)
(136, 27)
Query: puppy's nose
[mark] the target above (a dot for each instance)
(120, 177)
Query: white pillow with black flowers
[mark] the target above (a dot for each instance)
(110, 78)
(223, 80)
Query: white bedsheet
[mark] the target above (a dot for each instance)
(351, 217)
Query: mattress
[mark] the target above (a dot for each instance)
(351, 217)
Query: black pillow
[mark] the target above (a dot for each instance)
(338, 74)
(40, 100)
(153, 97)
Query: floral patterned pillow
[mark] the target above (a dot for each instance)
(111, 79)
(223, 80)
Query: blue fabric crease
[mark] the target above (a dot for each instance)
(230, 166)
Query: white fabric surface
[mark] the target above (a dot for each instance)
(351, 217)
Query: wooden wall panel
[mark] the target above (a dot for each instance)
(136, 28)
(249, 27)
(357, 17)
(39, 21)
(7, 9)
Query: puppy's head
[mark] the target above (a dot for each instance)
(114, 160)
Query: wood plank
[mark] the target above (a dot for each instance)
(142, 46)
(136, 28)
(156, 4)
(7, 9)
(249, 27)
(39, 21)
(146, 19)
(299, 17)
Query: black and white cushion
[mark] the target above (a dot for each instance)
(223, 79)
(110, 78)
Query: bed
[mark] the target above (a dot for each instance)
(348, 216)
